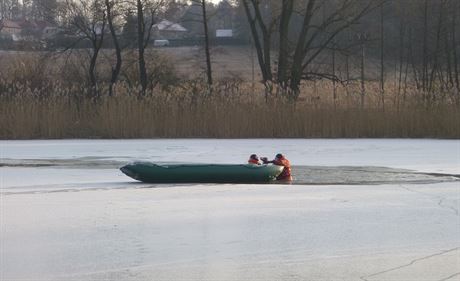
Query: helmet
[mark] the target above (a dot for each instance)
(254, 156)
(279, 155)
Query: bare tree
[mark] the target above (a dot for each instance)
(88, 21)
(316, 33)
(6, 7)
(141, 45)
(432, 48)
(382, 59)
(111, 14)
(146, 12)
(425, 47)
(283, 58)
(202, 18)
(261, 30)
(401, 49)
(3, 9)
(455, 44)
(435, 63)
(363, 38)
(44, 10)
(206, 43)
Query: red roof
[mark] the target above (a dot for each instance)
(10, 24)
(20, 24)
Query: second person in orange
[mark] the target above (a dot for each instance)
(280, 160)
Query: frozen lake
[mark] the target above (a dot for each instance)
(357, 210)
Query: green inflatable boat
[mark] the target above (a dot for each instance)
(201, 173)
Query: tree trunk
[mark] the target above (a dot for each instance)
(382, 62)
(260, 50)
(406, 74)
(434, 68)
(347, 74)
(92, 70)
(454, 50)
(299, 53)
(334, 86)
(448, 57)
(363, 88)
(417, 76)
(402, 31)
(425, 47)
(285, 19)
(117, 68)
(206, 42)
(97, 44)
(141, 46)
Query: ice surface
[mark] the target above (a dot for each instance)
(426, 155)
(316, 161)
(67, 213)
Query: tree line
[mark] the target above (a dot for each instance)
(414, 40)
(405, 42)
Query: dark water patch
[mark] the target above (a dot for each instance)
(443, 175)
(351, 175)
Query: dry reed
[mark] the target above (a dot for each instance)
(181, 115)
(35, 105)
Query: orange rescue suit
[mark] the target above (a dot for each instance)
(253, 161)
(286, 173)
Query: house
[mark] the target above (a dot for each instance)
(10, 29)
(168, 30)
(27, 29)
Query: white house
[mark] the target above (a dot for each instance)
(168, 30)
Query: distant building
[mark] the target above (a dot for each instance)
(169, 30)
(224, 33)
(27, 29)
(9, 28)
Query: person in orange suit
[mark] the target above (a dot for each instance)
(280, 160)
(253, 159)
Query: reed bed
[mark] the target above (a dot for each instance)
(41, 100)
(179, 114)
